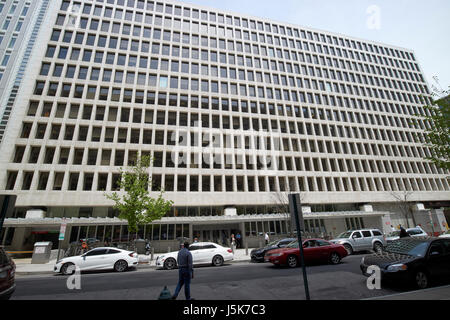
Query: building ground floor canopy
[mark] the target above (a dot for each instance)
(166, 234)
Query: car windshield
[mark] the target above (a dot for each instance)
(344, 235)
(293, 244)
(273, 243)
(409, 247)
(394, 234)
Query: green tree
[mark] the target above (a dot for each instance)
(437, 135)
(134, 203)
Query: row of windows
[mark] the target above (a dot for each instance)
(106, 74)
(14, 32)
(146, 114)
(120, 233)
(225, 19)
(227, 160)
(93, 92)
(184, 37)
(140, 97)
(75, 181)
(137, 45)
(198, 122)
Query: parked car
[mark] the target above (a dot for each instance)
(445, 234)
(361, 240)
(257, 255)
(7, 275)
(413, 232)
(202, 253)
(412, 260)
(90, 241)
(98, 259)
(314, 250)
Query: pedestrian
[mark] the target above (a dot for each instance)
(266, 237)
(195, 239)
(403, 233)
(84, 247)
(238, 240)
(233, 242)
(147, 247)
(185, 272)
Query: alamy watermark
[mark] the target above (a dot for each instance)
(256, 148)
(374, 280)
(74, 16)
(374, 20)
(74, 280)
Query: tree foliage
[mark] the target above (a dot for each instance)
(437, 137)
(134, 203)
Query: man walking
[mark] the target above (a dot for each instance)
(238, 240)
(185, 272)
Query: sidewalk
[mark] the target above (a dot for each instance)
(438, 293)
(24, 266)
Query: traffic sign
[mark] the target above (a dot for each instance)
(62, 231)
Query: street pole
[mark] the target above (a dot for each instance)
(59, 248)
(300, 244)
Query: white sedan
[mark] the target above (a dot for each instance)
(445, 234)
(202, 253)
(413, 232)
(98, 259)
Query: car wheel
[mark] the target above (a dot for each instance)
(335, 258)
(68, 268)
(421, 279)
(292, 261)
(170, 264)
(217, 261)
(120, 266)
(378, 248)
(348, 248)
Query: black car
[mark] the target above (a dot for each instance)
(257, 255)
(7, 273)
(417, 261)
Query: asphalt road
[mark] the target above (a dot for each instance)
(237, 281)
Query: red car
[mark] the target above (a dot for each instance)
(314, 250)
(7, 272)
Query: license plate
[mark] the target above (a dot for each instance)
(3, 274)
(266, 260)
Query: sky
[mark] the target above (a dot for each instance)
(420, 25)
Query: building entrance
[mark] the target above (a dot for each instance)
(217, 234)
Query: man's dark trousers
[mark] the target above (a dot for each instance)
(184, 278)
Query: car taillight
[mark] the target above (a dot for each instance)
(230, 251)
(132, 254)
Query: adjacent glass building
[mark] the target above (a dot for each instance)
(236, 111)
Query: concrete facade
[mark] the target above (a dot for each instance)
(202, 91)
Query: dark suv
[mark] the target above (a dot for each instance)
(7, 273)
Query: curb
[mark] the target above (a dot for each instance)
(140, 266)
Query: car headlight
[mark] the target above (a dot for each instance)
(397, 267)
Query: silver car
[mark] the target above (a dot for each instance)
(413, 232)
(361, 240)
